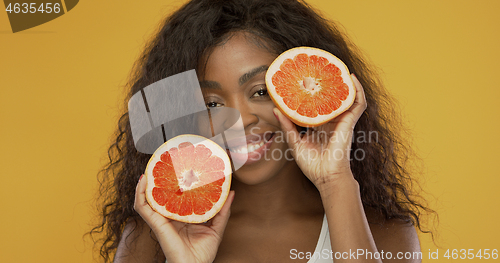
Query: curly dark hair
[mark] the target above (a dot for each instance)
(189, 33)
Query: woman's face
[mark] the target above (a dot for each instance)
(234, 76)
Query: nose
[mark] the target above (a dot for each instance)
(246, 112)
(235, 116)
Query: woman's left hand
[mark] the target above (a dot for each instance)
(323, 153)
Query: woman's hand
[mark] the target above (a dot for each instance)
(323, 152)
(184, 242)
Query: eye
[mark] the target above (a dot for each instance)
(261, 92)
(213, 104)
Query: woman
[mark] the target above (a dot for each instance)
(280, 209)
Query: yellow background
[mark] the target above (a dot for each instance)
(61, 91)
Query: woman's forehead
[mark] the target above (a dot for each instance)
(238, 56)
(235, 45)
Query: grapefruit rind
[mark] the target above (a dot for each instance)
(295, 117)
(174, 142)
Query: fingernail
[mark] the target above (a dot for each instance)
(275, 115)
(141, 177)
(234, 193)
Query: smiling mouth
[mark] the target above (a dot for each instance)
(252, 145)
(247, 148)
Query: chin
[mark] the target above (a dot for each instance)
(261, 172)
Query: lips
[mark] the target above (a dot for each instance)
(249, 149)
(249, 143)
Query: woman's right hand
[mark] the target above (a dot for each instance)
(184, 242)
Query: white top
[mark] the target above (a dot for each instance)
(322, 252)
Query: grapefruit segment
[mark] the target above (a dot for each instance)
(302, 64)
(186, 207)
(307, 107)
(283, 79)
(293, 102)
(160, 196)
(201, 206)
(322, 105)
(312, 90)
(166, 159)
(288, 67)
(186, 153)
(316, 65)
(329, 71)
(188, 179)
(166, 183)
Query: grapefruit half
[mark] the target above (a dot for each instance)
(310, 86)
(188, 179)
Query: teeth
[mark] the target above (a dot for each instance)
(251, 148)
(247, 148)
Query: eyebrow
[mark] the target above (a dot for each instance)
(208, 84)
(252, 73)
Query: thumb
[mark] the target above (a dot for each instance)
(219, 221)
(288, 127)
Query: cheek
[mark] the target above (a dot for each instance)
(279, 150)
(265, 111)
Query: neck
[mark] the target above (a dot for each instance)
(289, 193)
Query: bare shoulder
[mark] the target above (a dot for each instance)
(395, 236)
(138, 244)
